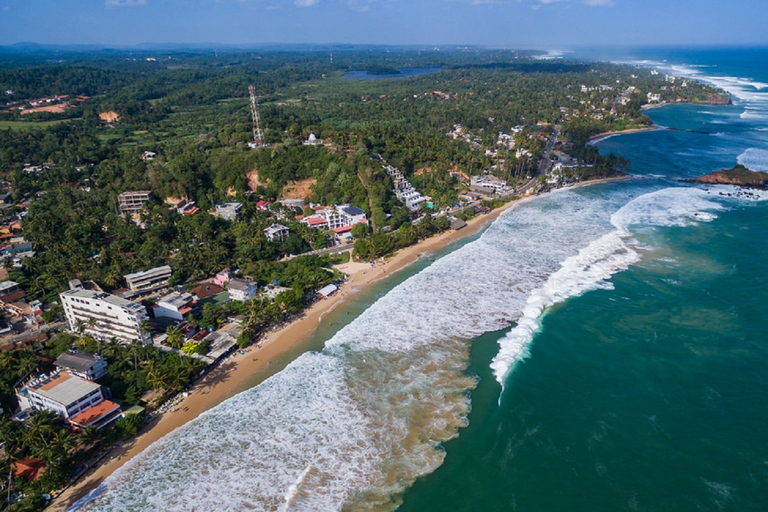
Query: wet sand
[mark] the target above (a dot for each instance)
(237, 373)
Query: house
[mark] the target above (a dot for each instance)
(242, 290)
(222, 277)
(104, 316)
(149, 280)
(86, 366)
(227, 211)
(312, 140)
(148, 155)
(80, 402)
(277, 233)
(206, 290)
(174, 305)
(263, 206)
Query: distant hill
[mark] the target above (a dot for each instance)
(738, 175)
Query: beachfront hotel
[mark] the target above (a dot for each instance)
(104, 316)
(81, 402)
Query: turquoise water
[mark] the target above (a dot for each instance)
(596, 349)
(648, 396)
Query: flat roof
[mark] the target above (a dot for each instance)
(64, 388)
(112, 299)
(77, 361)
(146, 273)
(93, 414)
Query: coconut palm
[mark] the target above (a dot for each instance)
(175, 337)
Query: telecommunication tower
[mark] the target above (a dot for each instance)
(258, 139)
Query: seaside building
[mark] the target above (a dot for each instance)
(149, 280)
(404, 191)
(175, 305)
(222, 277)
(81, 402)
(242, 290)
(338, 218)
(104, 316)
(132, 203)
(489, 184)
(86, 366)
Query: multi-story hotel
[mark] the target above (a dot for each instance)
(104, 316)
(79, 401)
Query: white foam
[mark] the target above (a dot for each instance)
(594, 265)
(589, 270)
(354, 425)
(755, 159)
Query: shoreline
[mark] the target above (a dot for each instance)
(605, 135)
(236, 374)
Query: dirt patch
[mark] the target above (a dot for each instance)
(253, 180)
(298, 189)
(56, 109)
(110, 116)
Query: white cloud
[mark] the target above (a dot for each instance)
(306, 3)
(599, 3)
(124, 3)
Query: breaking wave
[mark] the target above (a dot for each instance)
(353, 426)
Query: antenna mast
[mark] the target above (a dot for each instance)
(258, 140)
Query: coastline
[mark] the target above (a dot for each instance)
(236, 374)
(604, 135)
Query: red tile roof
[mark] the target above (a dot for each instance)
(94, 414)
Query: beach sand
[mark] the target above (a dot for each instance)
(237, 373)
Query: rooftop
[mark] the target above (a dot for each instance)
(112, 299)
(63, 388)
(94, 414)
(76, 361)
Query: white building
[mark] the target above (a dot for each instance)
(174, 305)
(104, 316)
(241, 290)
(337, 218)
(86, 366)
(277, 233)
(488, 183)
(149, 280)
(79, 401)
(227, 211)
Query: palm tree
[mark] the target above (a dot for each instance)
(88, 436)
(175, 337)
(62, 444)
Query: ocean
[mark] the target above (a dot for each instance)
(596, 348)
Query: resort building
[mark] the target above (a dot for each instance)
(104, 316)
(242, 290)
(86, 366)
(149, 280)
(404, 191)
(277, 233)
(132, 203)
(338, 218)
(81, 402)
(489, 184)
(174, 305)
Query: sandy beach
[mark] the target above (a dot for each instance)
(238, 372)
(605, 135)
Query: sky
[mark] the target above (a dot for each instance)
(543, 24)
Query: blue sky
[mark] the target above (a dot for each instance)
(545, 24)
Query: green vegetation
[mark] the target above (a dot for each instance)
(192, 110)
